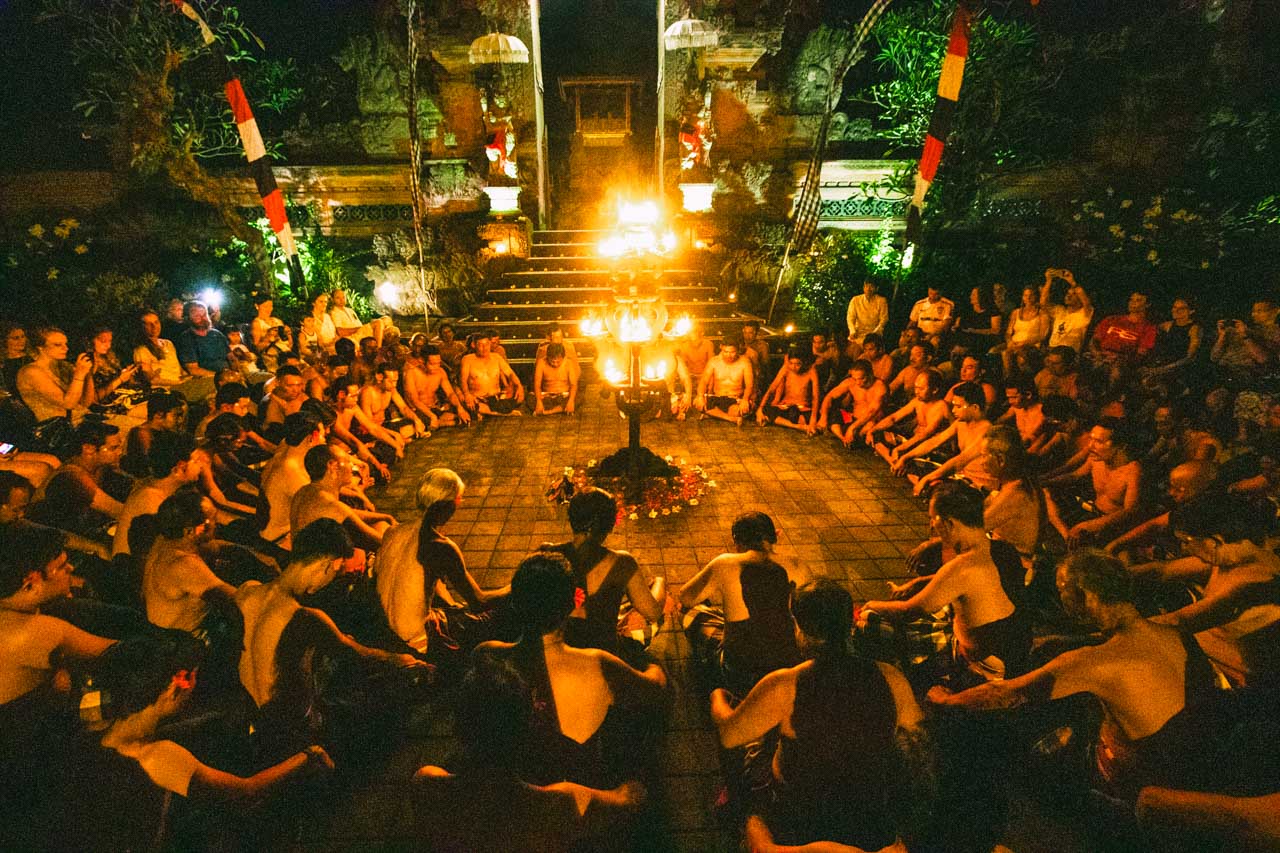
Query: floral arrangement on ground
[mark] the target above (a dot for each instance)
(662, 496)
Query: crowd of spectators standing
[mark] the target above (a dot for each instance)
(204, 616)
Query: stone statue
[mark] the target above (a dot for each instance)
(500, 138)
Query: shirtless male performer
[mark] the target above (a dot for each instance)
(696, 352)
(286, 473)
(927, 408)
(353, 418)
(489, 385)
(555, 383)
(174, 462)
(281, 635)
(791, 400)
(414, 564)
(969, 426)
(1115, 472)
(287, 396)
(329, 472)
(177, 584)
(727, 384)
(377, 398)
(991, 637)
(428, 390)
(867, 394)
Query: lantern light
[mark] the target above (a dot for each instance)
(790, 328)
(212, 298)
(388, 294)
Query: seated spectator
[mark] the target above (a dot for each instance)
(981, 326)
(727, 385)
(15, 356)
(934, 316)
(1070, 316)
(593, 740)
(484, 803)
(833, 774)
(158, 361)
(1237, 621)
(1025, 411)
(202, 349)
(1028, 328)
(1178, 348)
(348, 325)
(415, 563)
(747, 633)
(321, 499)
(868, 314)
(1122, 341)
(927, 410)
(177, 584)
(873, 352)
(286, 473)
(108, 376)
(166, 412)
(269, 335)
(993, 639)
(172, 462)
(489, 385)
(1150, 680)
(857, 402)
(602, 576)
(1246, 351)
(48, 385)
(918, 360)
(283, 637)
(969, 425)
(1113, 470)
(382, 403)
(321, 325)
(792, 398)
(76, 487)
(555, 383)
(1059, 377)
(428, 390)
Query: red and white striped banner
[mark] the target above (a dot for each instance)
(943, 113)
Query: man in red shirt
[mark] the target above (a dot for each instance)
(1123, 340)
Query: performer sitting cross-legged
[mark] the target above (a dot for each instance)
(727, 385)
(792, 398)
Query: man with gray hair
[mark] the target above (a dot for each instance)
(415, 563)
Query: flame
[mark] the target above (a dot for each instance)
(655, 371)
(501, 247)
(681, 327)
(591, 327)
(638, 213)
(613, 246)
(613, 374)
(634, 327)
(789, 328)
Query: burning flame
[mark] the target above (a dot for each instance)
(638, 213)
(591, 327)
(634, 327)
(655, 371)
(613, 374)
(681, 327)
(668, 242)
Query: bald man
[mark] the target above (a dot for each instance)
(1186, 481)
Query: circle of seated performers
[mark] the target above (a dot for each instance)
(210, 631)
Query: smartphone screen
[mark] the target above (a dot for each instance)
(7, 450)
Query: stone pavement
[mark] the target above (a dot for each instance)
(838, 512)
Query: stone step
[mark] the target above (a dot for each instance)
(573, 311)
(569, 235)
(563, 295)
(588, 277)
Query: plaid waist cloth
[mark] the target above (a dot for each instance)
(912, 642)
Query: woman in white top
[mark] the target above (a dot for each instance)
(1028, 325)
(1069, 322)
(326, 332)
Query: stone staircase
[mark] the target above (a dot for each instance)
(564, 279)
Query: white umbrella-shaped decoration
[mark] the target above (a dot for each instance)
(688, 33)
(498, 48)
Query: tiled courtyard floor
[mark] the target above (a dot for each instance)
(838, 512)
